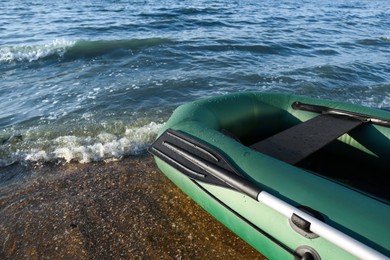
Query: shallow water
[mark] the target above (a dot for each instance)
(112, 210)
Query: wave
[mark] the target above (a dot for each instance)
(67, 49)
(102, 47)
(39, 147)
(381, 41)
(31, 53)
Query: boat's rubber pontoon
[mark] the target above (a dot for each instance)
(293, 176)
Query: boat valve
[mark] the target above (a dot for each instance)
(307, 253)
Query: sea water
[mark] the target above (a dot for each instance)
(95, 80)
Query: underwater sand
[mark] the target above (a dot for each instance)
(125, 209)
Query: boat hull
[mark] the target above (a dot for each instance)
(355, 213)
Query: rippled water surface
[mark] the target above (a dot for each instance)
(94, 80)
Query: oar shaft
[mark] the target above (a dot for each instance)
(320, 228)
(243, 185)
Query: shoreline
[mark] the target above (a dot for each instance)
(122, 209)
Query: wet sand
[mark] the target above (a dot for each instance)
(125, 209)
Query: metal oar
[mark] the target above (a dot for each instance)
(202, 163)
(340, 112)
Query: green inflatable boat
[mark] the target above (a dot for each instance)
(295, 177)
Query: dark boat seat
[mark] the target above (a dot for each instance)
(298, 142)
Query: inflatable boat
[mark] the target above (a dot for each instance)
(295, 177)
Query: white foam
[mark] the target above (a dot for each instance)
(371, 98)
(102, 147)
(34, 52)
(105, 146)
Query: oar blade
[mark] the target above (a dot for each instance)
(178, 149)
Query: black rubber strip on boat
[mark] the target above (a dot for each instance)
(261, 231)
(168, 147)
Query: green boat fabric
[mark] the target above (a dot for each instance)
(253, 117)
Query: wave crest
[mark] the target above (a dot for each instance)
(75, 49)
(31, 53)
(84, 149)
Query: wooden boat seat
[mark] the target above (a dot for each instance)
(298, 142)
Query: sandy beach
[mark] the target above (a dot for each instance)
(107, 210)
